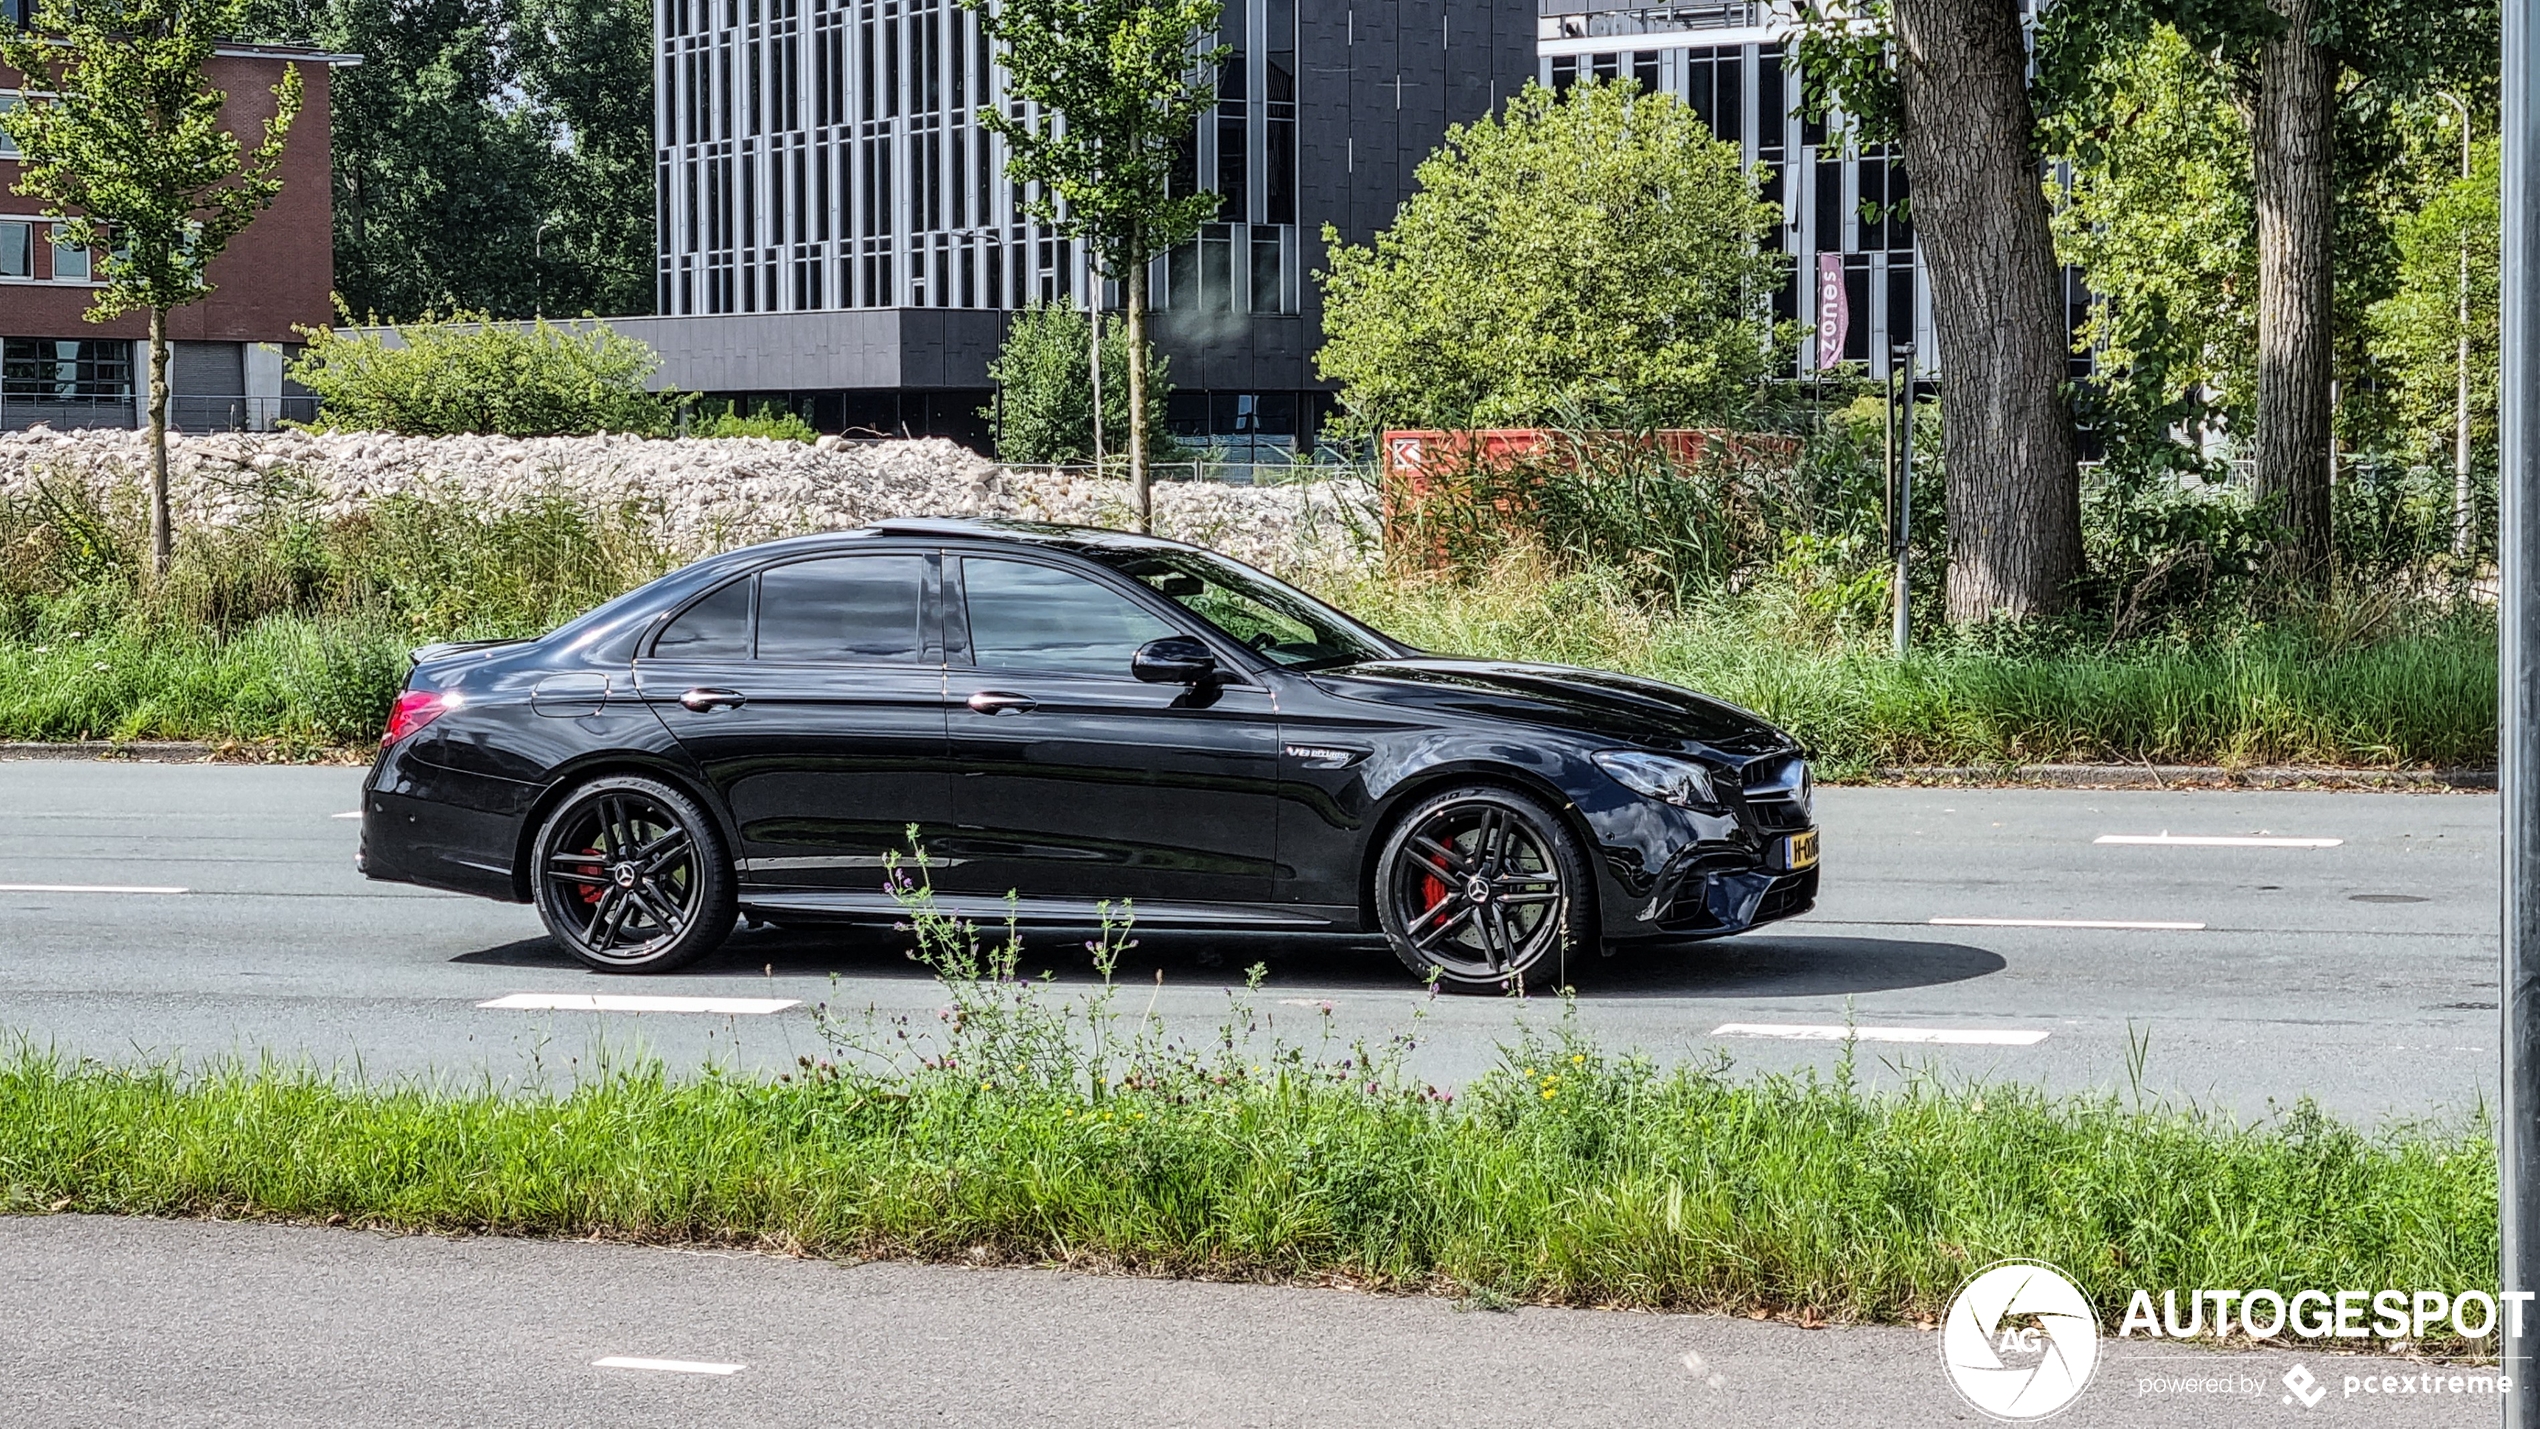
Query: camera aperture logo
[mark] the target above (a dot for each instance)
(2019, 1341)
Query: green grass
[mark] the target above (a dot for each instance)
(289, 628)
(297, 681)
(1623, 1187)
(2421, 694)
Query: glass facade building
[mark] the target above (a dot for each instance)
(1734, 62)
(824, 157)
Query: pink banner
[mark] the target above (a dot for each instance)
(1834, 310)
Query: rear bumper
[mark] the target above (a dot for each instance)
(437, 829)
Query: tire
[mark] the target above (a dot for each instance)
(670, 904)
(1485, 889)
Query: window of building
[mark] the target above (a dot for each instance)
(8, 101)
(57, 368)
(1565, 73)
(70, 262)
(17, 250)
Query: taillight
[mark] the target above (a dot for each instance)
(414, 710)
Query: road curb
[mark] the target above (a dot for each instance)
(2186, 776)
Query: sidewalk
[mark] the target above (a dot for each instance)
(110, 1322)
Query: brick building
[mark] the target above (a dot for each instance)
(227, 351)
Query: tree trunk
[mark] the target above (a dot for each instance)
(2294, 130)
(162, 533)
(1997, 308)
(1134, 286)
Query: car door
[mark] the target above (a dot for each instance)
(812, 694)
(1074, 779)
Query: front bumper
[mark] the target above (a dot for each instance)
(1710, 876)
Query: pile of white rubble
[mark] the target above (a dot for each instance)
(705, 494)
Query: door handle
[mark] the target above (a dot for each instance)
(704, 699)
(1000, 702)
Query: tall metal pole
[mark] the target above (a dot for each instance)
(2518, 711)
(1093, 358)
(1903, 536)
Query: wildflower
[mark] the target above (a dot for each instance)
(987, 1086)
(1547, 1094)
(1578, 1059)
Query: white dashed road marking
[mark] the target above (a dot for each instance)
(355, 814)
(671, 1366)
(1954, 1036)
(2065, 923)
(2215, 840)
(620, 1002)
(85, 888)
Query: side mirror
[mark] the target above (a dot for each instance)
(1174, 660)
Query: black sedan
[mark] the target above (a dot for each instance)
(1069, 716)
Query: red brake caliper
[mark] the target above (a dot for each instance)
(591, 891)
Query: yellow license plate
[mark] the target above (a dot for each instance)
(1800, 851)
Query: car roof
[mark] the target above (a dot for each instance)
(1031, 533)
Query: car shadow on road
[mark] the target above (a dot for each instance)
(1756, 966)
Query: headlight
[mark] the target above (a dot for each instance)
(1675, 781)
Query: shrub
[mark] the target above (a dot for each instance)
(765, 420)
(1045, 391)
(469, 373)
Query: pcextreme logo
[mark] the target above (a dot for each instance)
(2019, 1341)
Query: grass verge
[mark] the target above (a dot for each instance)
(1023, 1125)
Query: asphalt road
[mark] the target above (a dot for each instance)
(116, 1322)
(2361, 974)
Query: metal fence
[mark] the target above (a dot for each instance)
(186, 412)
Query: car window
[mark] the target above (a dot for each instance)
(1038, 617)
(715, 628)
(1278, 622)
(844, 608)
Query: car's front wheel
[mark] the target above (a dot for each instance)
(630, 876)
(1483, 888)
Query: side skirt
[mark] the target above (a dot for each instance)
(845, 906)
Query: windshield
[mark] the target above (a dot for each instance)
(1280, 623)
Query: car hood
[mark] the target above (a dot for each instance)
(1561, 697)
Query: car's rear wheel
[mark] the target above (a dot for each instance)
(630, 876)
(1483, 888)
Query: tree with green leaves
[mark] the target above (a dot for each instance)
(2435, 339)
(1591, 256)
(2159, 215)
(1113, 89)
(1948, 79)
(2296, 68)
(490, 155)
(1044, 412)
(121, 136)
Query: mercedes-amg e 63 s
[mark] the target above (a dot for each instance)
(1068, 716)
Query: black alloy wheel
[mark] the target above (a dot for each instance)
(1484, 888)
(630, 876)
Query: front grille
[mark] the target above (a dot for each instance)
(1778, 793)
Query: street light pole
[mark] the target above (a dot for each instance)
(2518, 711)
(2464, 514)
